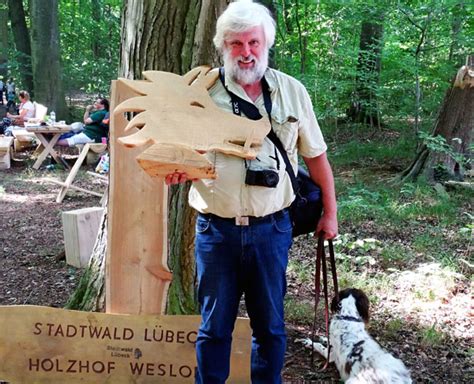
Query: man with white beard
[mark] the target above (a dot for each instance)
(243, 228)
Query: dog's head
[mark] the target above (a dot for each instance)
(361, 302)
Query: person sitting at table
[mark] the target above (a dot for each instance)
(26, 110)
(93, 128)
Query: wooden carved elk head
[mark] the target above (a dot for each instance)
(181, 121)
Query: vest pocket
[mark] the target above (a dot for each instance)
(286, 128)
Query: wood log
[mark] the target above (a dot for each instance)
(5, 152)
(80, 228)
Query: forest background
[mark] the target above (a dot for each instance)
(380, 74)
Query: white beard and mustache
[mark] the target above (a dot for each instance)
(245, 76)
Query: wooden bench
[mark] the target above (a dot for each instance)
(5, 151)
(23, 140)
(68, 183)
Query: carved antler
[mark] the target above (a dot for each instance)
(181, 121)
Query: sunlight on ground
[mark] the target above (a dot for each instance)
(18, 198)
(430, 296)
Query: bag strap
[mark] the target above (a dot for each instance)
(252, 112)
(322, 267)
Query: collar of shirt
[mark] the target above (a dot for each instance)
(239, 91)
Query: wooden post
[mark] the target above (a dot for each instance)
(80, 229)
(137, 274)
(5, 152)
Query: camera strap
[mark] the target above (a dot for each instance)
(240, 105)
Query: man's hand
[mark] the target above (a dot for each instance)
(328, 225)
(321, 173)
(177, 178)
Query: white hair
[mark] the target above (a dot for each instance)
(242, 15)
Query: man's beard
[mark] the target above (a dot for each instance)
(245, 76)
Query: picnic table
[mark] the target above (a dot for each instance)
(68, 183)
(48, 135)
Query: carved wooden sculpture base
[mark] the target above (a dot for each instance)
(176, 122)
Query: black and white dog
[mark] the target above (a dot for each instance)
(358, 358)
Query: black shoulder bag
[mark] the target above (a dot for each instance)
(307, 207)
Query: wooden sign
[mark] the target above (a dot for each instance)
(46, 346)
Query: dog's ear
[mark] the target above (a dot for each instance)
(362, 304)
(335, 305)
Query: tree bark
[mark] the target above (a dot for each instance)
(364, 108)
(21, 37)
(455, 123)
(97, 17)
(3, 39)
(90, 294)
(270, 4)
(45, 56)
(458, 15)
(174, 37)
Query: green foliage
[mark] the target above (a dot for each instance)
(412, 203)
(435, 223)
(15, 65)
(438, 144)
(297, 311)
(394, 253)
(83, 292)
(302, 271)
(359, 151)
(431, 337)
(90, 44)
(393, 327)
(359, 203)
(466, 232)
(318, 42)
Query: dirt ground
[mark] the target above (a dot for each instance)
(33, 271)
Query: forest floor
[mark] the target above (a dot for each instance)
(432, 335)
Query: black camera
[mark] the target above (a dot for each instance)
(262, 178)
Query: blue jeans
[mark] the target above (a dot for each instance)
(231, 261)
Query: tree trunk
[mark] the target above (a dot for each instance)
(270, 4)
(458, 18)
(174, 37)
(97, 17)
(45, 56)
(158, 41)
(21, 37)
(441, 160)
(3, 39)
(302, 36)
(90, 294)
(364, 107)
